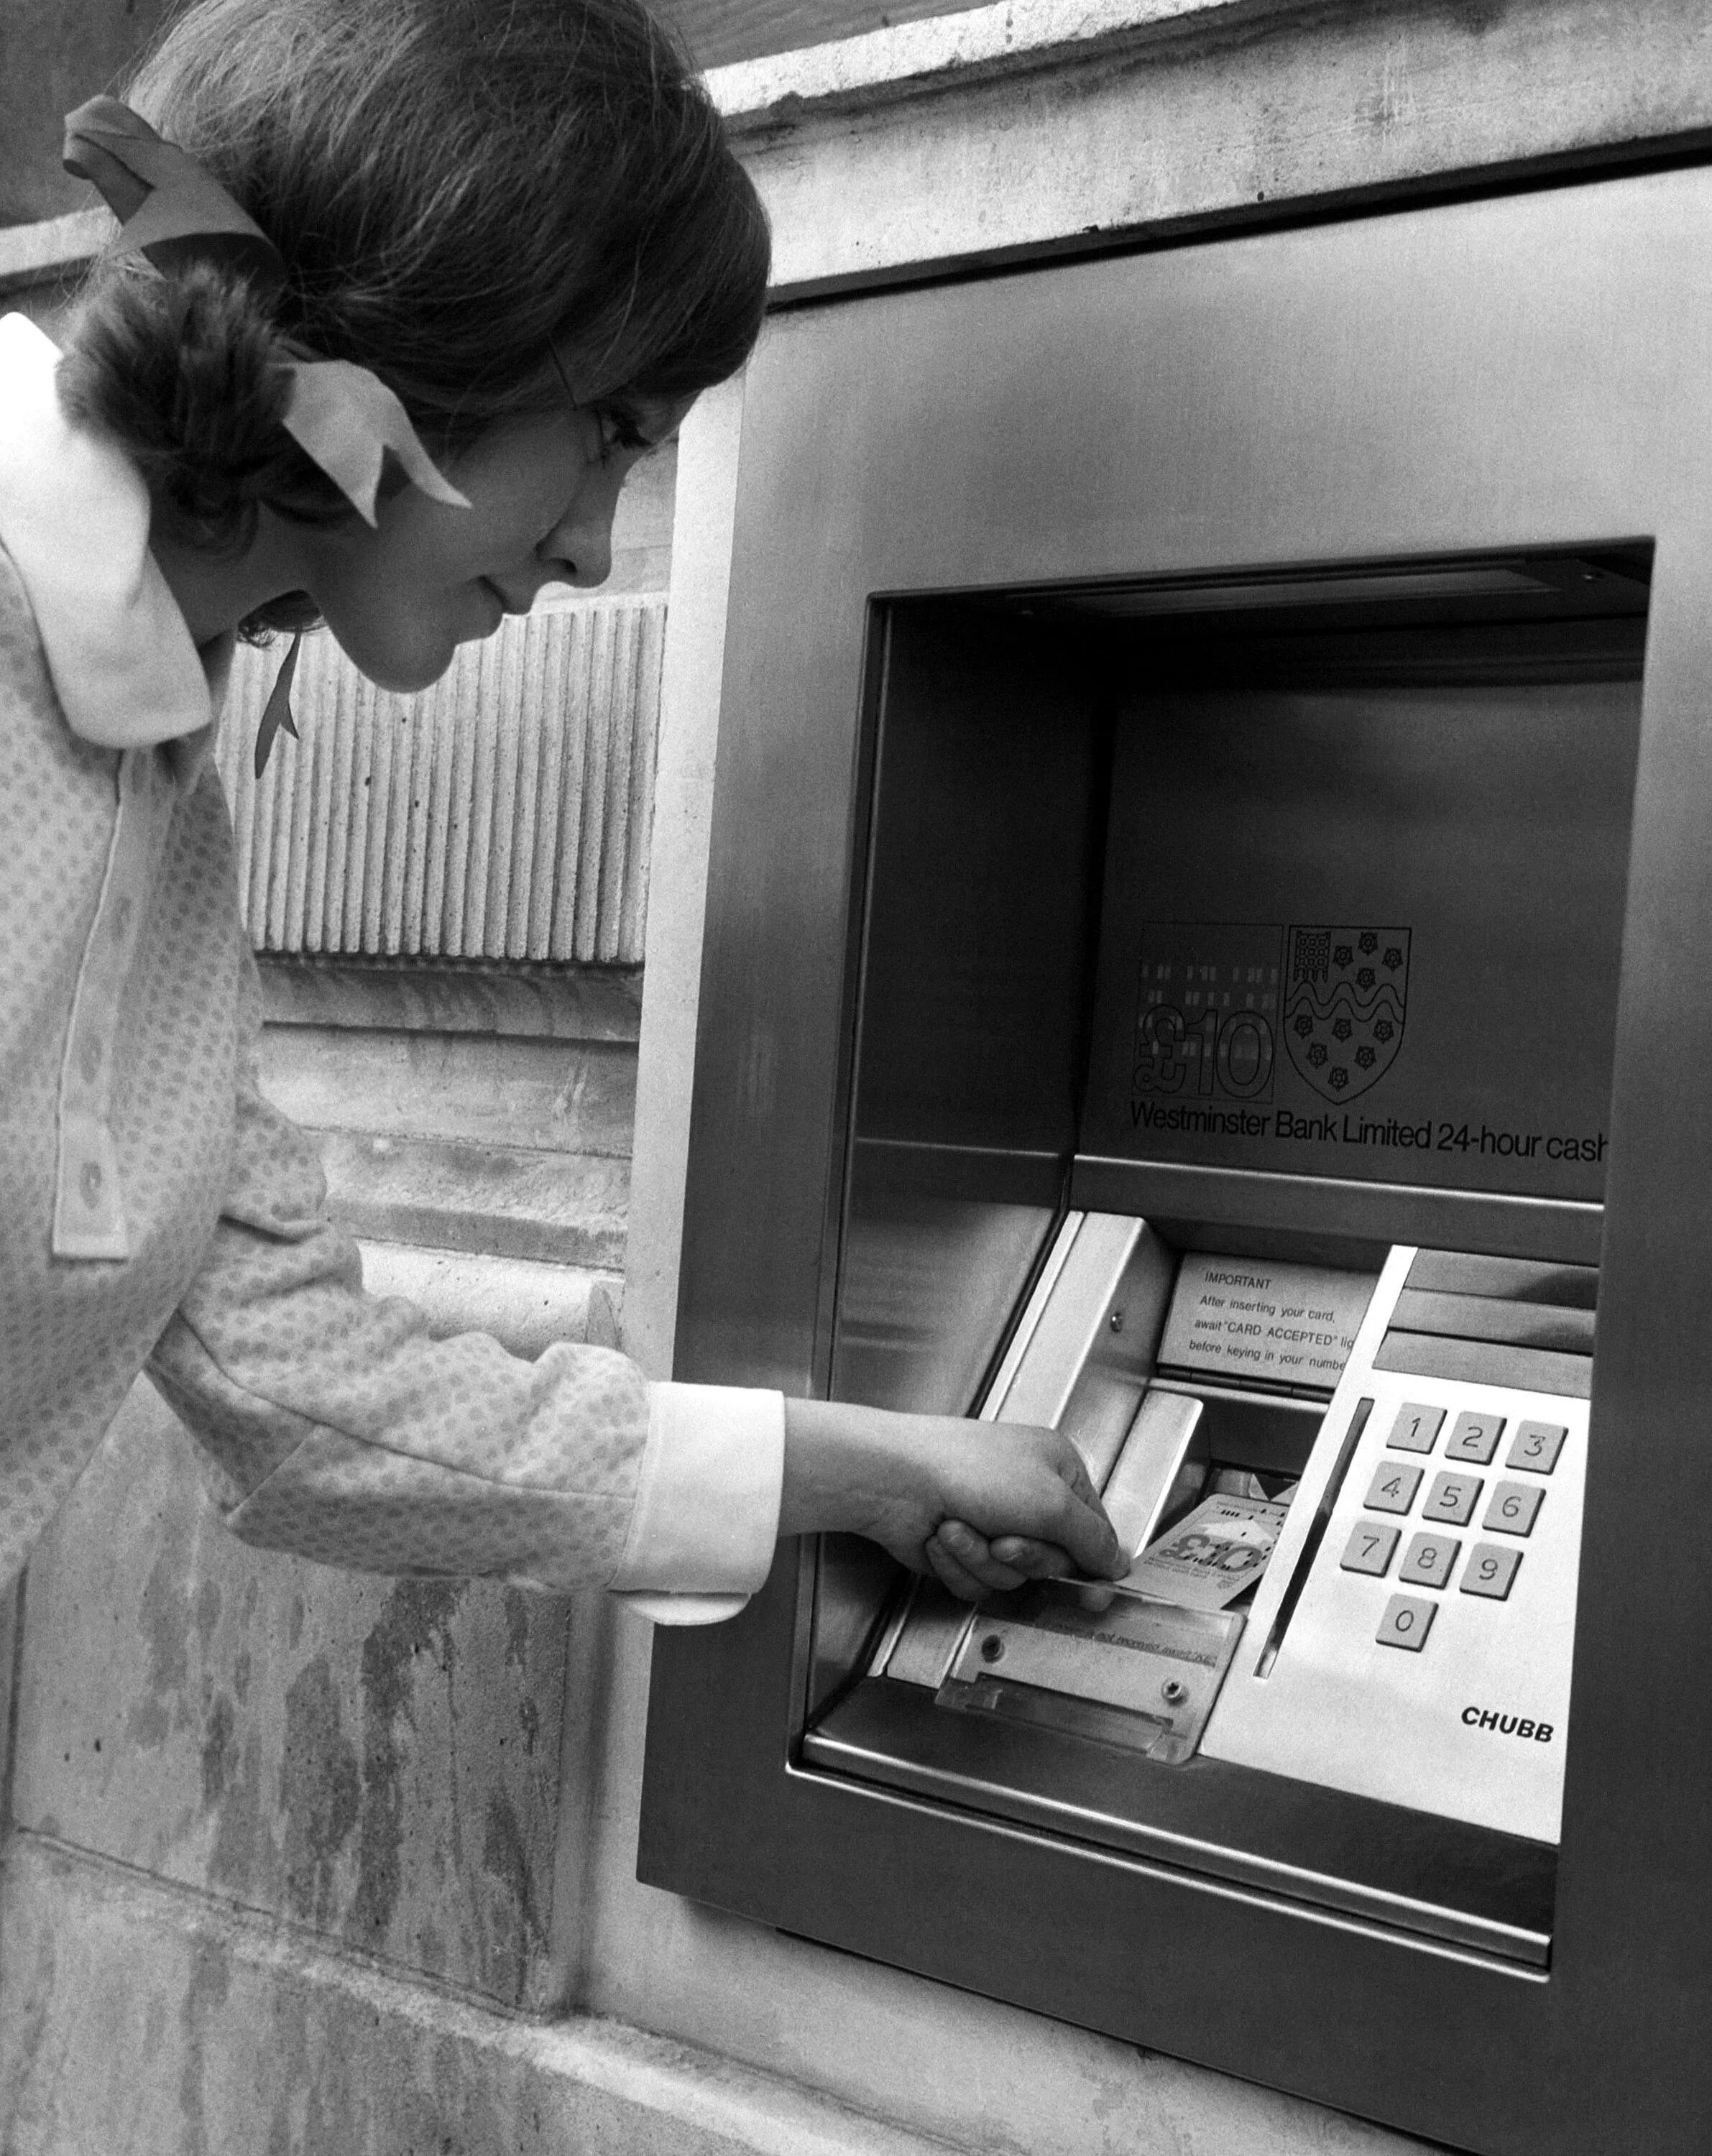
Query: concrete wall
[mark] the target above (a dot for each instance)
(303, 1862)
(54, 56)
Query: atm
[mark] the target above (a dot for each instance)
(1209, 947)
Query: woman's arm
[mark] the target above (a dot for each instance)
(343, 1430)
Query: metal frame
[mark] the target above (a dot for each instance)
(1532, 370)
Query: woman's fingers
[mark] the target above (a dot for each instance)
(974, 1554)
(1087, 1536)
(1039, 1560)
(949, 1574)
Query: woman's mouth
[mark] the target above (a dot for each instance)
(507, 605)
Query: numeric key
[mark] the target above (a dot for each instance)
(1536, 1447)
(1369, 1548)
(1475, 1437)
(1429, 1561)
(1514, 1508)
(1491, 1571)
(1393, 1487)
(1406, 1622)
(1416, 1428)
(1452, 1499)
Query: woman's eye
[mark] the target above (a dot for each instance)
(617, 432)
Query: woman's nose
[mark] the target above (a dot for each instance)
(582, 543)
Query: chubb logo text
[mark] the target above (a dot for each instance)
(1506, 1725)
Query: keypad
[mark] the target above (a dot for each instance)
(1429, 1560)
(1489, 1476)
(1491, 1571)
(1452, 1499)
(1475, 1437)
(1536, 1447)
(1406, 1622)
(1514, 1508)
(1369, 1548)
(1416, 1428)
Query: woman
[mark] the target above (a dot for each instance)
(405, 289)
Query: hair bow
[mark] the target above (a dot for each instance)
(344, 418)
(171, 211)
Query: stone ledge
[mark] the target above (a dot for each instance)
(503, 1202)
(525, 1304)
(42, 252)
(141, 2016)
(972, 45)
(940, 147)
(453, 995)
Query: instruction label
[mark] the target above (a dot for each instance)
(1258, 1318)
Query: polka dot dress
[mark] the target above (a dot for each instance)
(334, 1425)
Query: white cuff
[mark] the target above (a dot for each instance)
(706, 1514)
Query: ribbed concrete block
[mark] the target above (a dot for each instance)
(503, 814)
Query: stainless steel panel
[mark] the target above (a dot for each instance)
(1092, 1351)
(968, 1015)
(1332, 1205)
(854, 1584)
(1492, 1318)
(1535, 370)
(1458, 1272)
(1266, 1432)
(1159, 1469)
(1398, 1869)
(1022, 1334)
(928, 1287)
(1484, 1362)
(1066, 1329)
(1482, 831)
(933, 1629)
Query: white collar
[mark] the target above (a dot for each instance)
(74, 518)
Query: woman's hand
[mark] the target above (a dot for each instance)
(982, 1506)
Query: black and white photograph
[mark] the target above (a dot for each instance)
(856, 1078)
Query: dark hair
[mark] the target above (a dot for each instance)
(461, 189)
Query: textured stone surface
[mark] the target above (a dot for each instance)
(533, 1003)
(524, 1304)
(547, 1095)
(515, 1203)
(1011, 131)
(146, 2022)
(375, 1759)
(465, 1141)
(52, 57)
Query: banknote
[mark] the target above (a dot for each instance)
(1211, 1556)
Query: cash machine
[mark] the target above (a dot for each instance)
(1207, 949)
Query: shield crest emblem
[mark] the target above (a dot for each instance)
(1346, 991)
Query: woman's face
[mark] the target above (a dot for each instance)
(402, 597)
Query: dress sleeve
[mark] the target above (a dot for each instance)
(339, 1428)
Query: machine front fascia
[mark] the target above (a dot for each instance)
(1490, 379)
